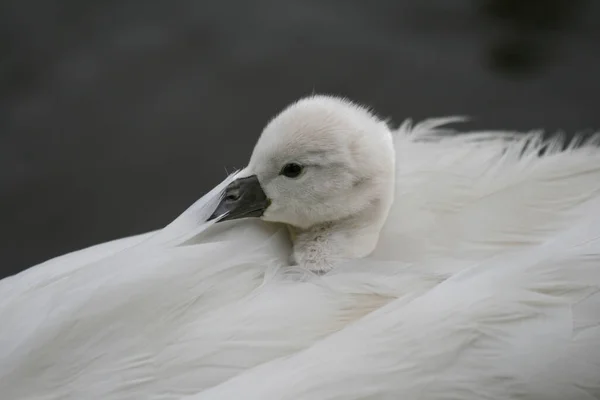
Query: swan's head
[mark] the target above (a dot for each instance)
(322, 160)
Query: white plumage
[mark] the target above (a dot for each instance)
(484, 284)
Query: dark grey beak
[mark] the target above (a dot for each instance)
(244, 198)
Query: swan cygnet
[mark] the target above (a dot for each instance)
(324, 167)
(484, 282)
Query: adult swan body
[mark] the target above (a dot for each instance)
(346, 261)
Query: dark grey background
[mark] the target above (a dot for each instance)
(116, 115)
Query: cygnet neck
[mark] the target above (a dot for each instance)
(322, 246)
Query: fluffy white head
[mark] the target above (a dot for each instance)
(346, 158)
(325, 167)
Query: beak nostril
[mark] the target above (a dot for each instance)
(232, 196)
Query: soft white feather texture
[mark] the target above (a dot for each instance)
(484, 285)
(510, 327)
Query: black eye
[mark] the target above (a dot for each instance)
(291, 170)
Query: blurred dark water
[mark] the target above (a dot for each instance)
(116, 115)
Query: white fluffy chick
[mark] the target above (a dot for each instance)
(324, 167)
